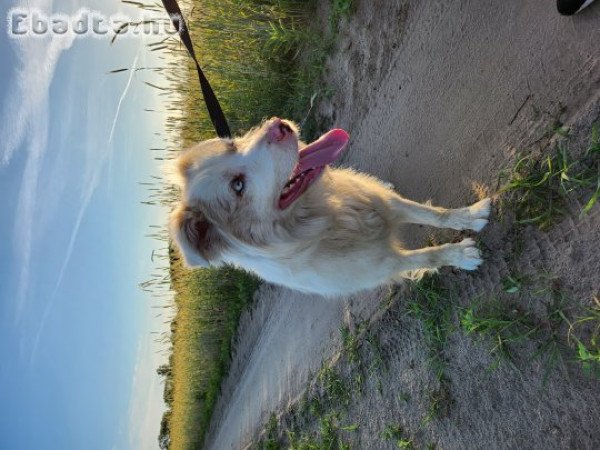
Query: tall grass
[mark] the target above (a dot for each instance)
(209, 304)
(260, 57)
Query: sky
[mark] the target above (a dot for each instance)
(78, 357)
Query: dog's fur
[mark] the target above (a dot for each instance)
(340, 236)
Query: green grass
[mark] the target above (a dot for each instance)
(209, 304)
(350, 344)
(316, 422)
(271, 441)
(326, 437)
(262, 57)
(404, 397)
(513, 284)
(507, 326)
(587, 349)
(439, 402)
(432, 304)
(395, 433)
(504, 327)
(541, 186)
(541, 189)
(589, 358)
(336, 389)
(339, 9)
(378, 363)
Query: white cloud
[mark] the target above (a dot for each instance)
(95, 164)
(25, 123)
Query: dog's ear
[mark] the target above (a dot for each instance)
(199, 242)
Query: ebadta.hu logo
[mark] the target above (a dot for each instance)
(32, 22)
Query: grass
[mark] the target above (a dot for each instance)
(350, 344)
(326, 437)
(541, 185)
(271, 442)
(508, 327)
(432, 304)
(336, 390)
(395, 433)
(439, 402)
(588, 350)
(316, 422)
(378, 363)
(589, 358)
(512, 284)
(263, 58)
(339, 9)
(504, 326)
(209, 304)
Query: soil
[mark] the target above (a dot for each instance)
(438, 96)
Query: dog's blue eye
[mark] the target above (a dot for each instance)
(237, 184)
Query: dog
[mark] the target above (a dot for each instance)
(271, 204)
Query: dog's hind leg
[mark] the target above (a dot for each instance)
(463, 255)
(472, 217)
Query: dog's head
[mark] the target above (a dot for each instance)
(239, 188)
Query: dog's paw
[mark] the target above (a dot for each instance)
(481, 209)
(473, 217)
(479, 213)
(468, 256)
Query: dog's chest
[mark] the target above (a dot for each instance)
(295, 273)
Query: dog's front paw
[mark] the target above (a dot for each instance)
(467, 256)
(478, 214)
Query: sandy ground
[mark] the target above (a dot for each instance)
(437, 95)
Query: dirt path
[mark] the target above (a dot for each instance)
(437, 95)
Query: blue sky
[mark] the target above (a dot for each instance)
(78, 360)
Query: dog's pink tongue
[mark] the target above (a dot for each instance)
(324, 150)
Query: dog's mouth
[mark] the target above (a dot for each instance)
(312, 160)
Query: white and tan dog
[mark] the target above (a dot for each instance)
(270, 204)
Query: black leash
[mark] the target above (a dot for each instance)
(212, 104)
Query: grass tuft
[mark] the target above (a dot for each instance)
(339, 9)
(588, 350)
(540, 186)
(504, 326)
(350, 344)
(395, 433)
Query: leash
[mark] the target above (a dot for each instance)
(212, 104)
